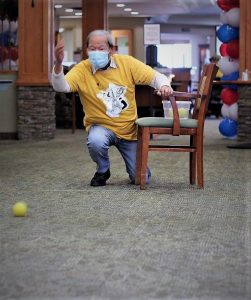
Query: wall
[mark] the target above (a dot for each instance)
(72, 35)
(137, 25)
(67, 36)
(8, 123)
(196, 35)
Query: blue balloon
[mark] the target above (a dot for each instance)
(232, 76)
(227, 33)
(5, 39)
(8, 38)
(228, 127)
(232, 86)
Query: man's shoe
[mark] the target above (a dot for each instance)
(99, 179)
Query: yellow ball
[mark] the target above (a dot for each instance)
(19, 209)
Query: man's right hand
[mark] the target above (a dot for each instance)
(59, 55)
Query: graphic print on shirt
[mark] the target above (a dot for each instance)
(114, 99)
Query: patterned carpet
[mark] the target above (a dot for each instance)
(171, 241)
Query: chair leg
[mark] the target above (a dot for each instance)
(200, 179)
(192, 162)
(192, 167)
(142, 156)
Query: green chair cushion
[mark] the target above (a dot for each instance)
(162, 122)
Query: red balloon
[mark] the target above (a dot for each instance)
(229, 96)
(13, 53)
(4, 53)
(223, 49)
(233, 49)
(226, 5)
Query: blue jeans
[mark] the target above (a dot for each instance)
(100, 139)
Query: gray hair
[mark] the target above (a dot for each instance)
(100, 33)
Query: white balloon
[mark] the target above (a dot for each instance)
(230, 111)
(13, 26)
(223, 18)
(225, 111)
(233, 17)
(9, 65)
(5, 26)
(228, 65)
(233, 111)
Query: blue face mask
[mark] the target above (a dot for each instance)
(99, 59)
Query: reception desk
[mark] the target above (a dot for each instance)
(244, 111)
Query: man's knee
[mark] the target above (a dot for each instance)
(95, 143)
(96, 138)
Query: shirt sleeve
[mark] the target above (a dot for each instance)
(142, 74)
(159, 80)
(59, 83)
(75, 76)
(146, 75)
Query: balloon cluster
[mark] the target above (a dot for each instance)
(8, 44)
(228, 34)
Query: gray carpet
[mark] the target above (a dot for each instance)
(171, 241)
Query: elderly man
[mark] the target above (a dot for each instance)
(106, 83)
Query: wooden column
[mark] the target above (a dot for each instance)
(244, 102)
(94, 17)
(35, 96)
(245, 35)
(35, 42)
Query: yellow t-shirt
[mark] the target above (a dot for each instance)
(108, 97)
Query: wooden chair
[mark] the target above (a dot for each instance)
(193, 127)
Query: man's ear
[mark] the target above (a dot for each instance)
(114, 49)
(110, 51)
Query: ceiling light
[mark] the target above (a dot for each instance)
(127, 9)
(69, 10)
(58, 6)
(120, 5)
(61, 29)
(78, 14)
(134, 13)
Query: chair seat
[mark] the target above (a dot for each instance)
(165, 123)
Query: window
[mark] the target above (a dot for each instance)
(176, 55)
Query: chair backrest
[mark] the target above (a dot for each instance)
(204, 91)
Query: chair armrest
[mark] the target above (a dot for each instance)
(185, 95)
(176, 119)
(181, 94)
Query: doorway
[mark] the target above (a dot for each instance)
(123, 41)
